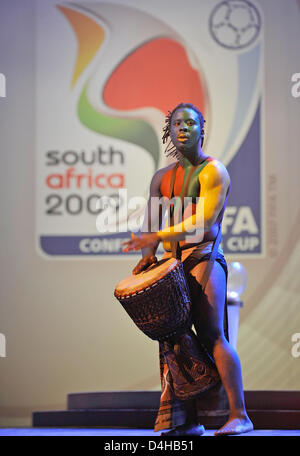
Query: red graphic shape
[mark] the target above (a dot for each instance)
(158, 74)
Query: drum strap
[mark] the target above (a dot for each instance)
(211, 260)
(175, 247)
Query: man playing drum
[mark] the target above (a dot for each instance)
(205, 180)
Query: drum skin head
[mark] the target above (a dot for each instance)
(139, 282)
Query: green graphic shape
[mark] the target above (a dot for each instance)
(132, 130)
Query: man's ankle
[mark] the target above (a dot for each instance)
(186, 429)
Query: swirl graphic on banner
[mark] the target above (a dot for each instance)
(134, 84)
(90, 37)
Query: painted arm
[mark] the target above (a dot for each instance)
(214, 184)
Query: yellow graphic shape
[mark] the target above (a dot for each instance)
(89, 35)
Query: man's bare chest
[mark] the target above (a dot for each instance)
(183, 183)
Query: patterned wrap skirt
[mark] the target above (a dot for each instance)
(211, 404)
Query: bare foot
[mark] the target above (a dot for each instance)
(186, 429)
(236, 426)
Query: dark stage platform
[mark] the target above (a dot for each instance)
(88, 432)
(268, 410)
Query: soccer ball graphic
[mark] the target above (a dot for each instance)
(235, 24)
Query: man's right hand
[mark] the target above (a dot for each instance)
(144, 263)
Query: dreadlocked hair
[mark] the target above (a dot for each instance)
(171, 150)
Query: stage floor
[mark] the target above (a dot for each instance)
(127, 432)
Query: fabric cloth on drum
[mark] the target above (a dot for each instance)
(212, 403)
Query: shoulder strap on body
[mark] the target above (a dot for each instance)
(172, 181)
(211, 260)
(174, 245)
(176, 252)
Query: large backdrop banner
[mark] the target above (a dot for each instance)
(113, 72)
(107, 73)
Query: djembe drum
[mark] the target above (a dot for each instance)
(158, 300)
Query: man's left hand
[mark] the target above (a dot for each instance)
(141, 242)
